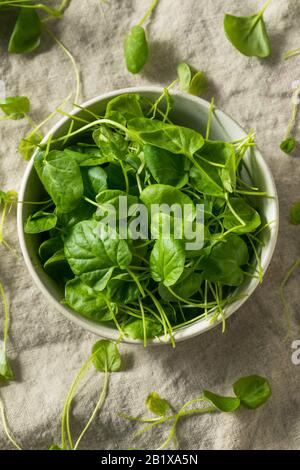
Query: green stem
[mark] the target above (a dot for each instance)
(96, 410)
(36, 6)
(210, 113)
(291, 53)
(140, 287)
(265, 6)
(144, 322)
(151, 9)
(5, 427)
(233, 211)
(6, 315)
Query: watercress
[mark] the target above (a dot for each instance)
(248, 34)
(146, 288)
(191, 81)
(250, 392)
(136, 49)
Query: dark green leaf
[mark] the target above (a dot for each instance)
(166, 167)
(49, 247)
(111, 144)
(288, 145)
(27, 32)
(249, 215)
(135, 329)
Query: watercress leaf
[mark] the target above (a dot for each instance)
(224, 261)
(94, 180)
(166, 167)
(93, 250)
(26, 33)
(122, 289)
(136, 49)
(167, 261)
(253, 391)
(157, 405)
(116, 179)
(6, 372)
(40, 222)
(61, 178)
(15, 107)
(288, 145)
(8, 197)
(295, 213)
(249, 215)
(225, 404)
(165, 194)
(49, 247)
(83, 211)
(86, 301)
(213, 180)
(112, 144)
(127, 106)
(135, 329)
(27, 146)
(176, 139)
(199, 84)
(248, 34)
(57, 266)
(186, 286)
(107, 356)
(184, 73)
(109, 199)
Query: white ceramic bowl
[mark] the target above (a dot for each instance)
(191, 112)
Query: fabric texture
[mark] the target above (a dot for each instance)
(46, 349)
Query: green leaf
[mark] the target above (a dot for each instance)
(57, 266)
(184, 73)
(40, 222)
(15, 107)
(55, 447)
(165, 194)
(8, 197)
(110, 197)
(167, 261)
(176, 139)
(253, 391)
(49, 247)
(288, 145)
(186, 286)
(62, 179)
(27, 145)
(6, 372)
(248, 34)
(157, 405)
(121, 289)
(225, 404)
(295, 213)
(127, 106)
(107, 356)
(86, 301)
(26, 33)
(224, 261)
(210, 179)
(249, 215)
(166, 167)
(93, 250)
(135, 329)
(136, 49)
(84, 211)
(199, 84)
(111, 144)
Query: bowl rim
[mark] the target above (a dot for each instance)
(189, 331)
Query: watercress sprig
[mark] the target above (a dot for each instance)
(136, 48)
(248, 34)
(250, 392)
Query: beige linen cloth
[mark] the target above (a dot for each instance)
(45, 348)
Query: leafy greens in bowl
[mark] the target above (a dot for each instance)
(147, 147)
